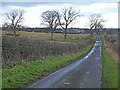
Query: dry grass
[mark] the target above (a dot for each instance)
(58, 37)
(113, 51)
(112, 44)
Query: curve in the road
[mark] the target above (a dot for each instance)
(84, 73)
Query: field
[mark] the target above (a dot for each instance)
(32, 46)
(58, 37)
(31, 56)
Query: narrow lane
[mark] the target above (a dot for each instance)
(84, 73)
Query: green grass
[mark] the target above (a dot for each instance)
(0, 78)
(109, 70)
(24, 74)
(72, 38)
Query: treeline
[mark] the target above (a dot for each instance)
(53, 19)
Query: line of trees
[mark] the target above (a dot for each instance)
(52, 19)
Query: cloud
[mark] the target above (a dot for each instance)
(60, 1)
(33, 19)
(112, 20)
(80, 22)
(98, 7)
(33, 14)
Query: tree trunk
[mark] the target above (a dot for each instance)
(52, 34)
(14, 31)
(65, 36)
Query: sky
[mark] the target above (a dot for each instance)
(33, 10)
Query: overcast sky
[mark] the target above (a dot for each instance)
(33, 10)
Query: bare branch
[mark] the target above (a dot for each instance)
(52, 20)
(69, 15)
(96, 21)
(14, 19)
(50, 17)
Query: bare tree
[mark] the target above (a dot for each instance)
(69, 15)
(50, 18)
(96, 21)
(14, 19)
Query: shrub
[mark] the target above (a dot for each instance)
(19, 49)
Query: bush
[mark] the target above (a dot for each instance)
(19, 49)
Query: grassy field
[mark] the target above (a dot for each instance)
(36, 56)
(18, 49)
(109, 70)
(23, 74)
(73, 38)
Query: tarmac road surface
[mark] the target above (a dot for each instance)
(84, 73)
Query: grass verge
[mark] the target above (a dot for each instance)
(109, 70)
(23, 74)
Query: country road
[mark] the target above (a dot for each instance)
(84, 73)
